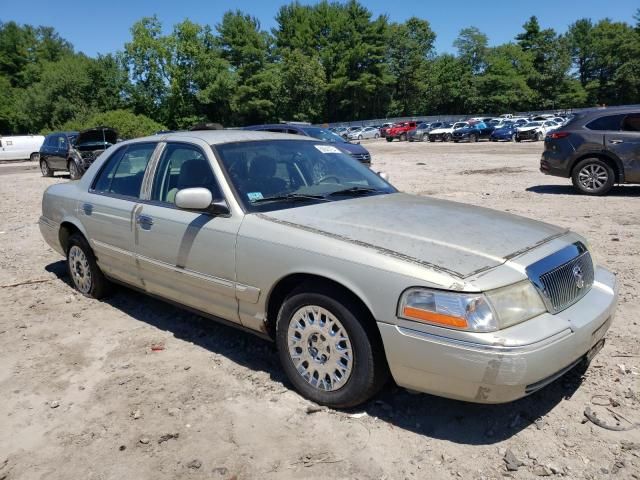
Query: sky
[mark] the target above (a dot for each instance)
(97, 27)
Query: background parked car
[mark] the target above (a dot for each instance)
(418, 134)
(20, 147)
(443, 134)
(384, 129)
(596, 149)
(508, 131)
(400, 130)
(74, 152)
(365, 132)
(472, 132)
(355, 150)
(535, 131)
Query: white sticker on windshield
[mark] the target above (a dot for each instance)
(253, 196)
(327, 149)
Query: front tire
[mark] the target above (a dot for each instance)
(74, 170)
(326, 351)
(389, 139)
(514, 138)
(376, 136)
(85, 274)
(34, 157)
(592, 176)
(403, 137)
(446, 138)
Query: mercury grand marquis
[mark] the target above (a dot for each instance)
(290, 238)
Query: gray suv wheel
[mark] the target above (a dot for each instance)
(592, 176)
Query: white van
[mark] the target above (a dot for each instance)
(22, 147)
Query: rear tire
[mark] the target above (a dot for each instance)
(473, 138)
(45, 169)
(403, 137)
(34, 157)
(514, 138)
(446, 138)
(592, 176)
(389, 139)
(327, 352)
(85, 274)
(376, 136)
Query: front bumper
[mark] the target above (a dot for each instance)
(505, 368)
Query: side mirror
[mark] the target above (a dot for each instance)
(194, 199)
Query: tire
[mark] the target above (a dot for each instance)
(518, 139)
(446, 138)
(389, 139)
(411, 139)
(376, 136)
(514, 138)
(403, 137)
(45, 169)
(359, 137)
(34, 157)
(85, 274)
(592, 176)
(74, 170)
(473, 138)
(300, 317)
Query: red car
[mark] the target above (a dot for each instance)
(399, 130)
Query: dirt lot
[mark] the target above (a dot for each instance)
(84, 395)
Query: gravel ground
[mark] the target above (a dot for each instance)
(134, 388)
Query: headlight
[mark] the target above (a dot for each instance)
(475, 312)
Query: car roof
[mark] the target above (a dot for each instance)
(216, 137)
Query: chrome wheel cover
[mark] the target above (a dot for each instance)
(80, 269)
(73, 170)
(320, 348)
(44, 168)
(593, 177)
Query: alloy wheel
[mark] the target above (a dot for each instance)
(44, 168)
(80, 269)
(320, 348)
(592, 177)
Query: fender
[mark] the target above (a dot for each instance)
(602, 153)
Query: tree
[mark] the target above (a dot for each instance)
(472, 46)
(128, 124)
(302, 87)
(410, 47)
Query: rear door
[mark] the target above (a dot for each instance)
(187, 256)
(625, 144)
(108, 210)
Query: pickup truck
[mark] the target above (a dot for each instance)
(400, 130)
(473, 133)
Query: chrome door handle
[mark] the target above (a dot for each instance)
(144, 221)
(616, 141)
(87, 208)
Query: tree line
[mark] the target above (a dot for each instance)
(321, 63)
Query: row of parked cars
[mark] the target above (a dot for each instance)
(533, 128)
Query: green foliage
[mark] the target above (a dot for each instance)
(323, 62)
(128, 124)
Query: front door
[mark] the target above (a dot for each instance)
(625, 144)
(107, 211)
(187, 256)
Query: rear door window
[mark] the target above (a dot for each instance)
(631, 123)
(608, 123)
(124, 171)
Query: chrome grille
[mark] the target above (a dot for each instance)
(564, 277)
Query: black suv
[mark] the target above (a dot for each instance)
(596, 149)
(74, 152)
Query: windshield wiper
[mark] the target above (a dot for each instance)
(291, 197)
(354, 191)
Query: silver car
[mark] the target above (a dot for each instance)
(294, 240)
(364, 132)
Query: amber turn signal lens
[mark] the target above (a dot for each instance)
(432, 317)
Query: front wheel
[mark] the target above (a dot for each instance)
(592, 176)
(326, 351)
(403, 137)
(539, 136)
(376, 136)
(389, 139)
(74, 170)
(34, 157)
(473, 138)
(446, 138)
(85, 274)
(359, 137)
(514, 138)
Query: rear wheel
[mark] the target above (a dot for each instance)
(403, 137)
(389, 139)
(45, 169)
(539, 136)
(592, 176)
(34, 157)
(446, 138)
(85, 274)
(359, 137)
(376, 136)
(514, 138)
(326, 351)
(473, 138)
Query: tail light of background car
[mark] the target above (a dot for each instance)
(557, 135)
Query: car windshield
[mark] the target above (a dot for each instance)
(323, 134)
(276, 174)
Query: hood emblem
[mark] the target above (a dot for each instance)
(578, 276)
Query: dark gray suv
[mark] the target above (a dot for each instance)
(596, 149)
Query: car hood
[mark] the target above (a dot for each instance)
(459, 239)
(352, 148)
(97, 135)
(527, 129)
(442, 130)
(504, 130)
